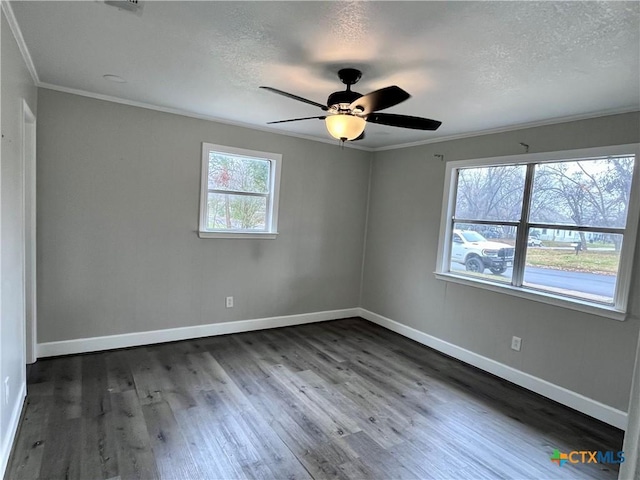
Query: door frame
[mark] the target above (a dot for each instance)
(29, 232)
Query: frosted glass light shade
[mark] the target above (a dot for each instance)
(345, 127)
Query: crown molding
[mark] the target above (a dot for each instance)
(17, 34)
(185, 113)
(510, 128)
(22, 46)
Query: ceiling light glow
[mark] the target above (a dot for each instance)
(345, 127)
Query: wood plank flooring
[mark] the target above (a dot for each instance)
(341, 399)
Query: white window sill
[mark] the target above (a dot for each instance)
(537, 296)
(261, 235)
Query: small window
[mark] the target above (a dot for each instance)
(556, 227)
(239, 193)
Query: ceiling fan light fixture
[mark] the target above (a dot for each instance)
(347, 112)
(345, 127)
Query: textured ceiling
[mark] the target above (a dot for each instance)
(475, 66)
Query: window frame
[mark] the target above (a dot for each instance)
(618, 310)
(273, 197)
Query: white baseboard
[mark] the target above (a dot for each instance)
(547, 389)
(571, 399)
(110, 342)
(9, 436)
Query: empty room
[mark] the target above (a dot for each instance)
(319, 239)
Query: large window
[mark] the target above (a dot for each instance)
(557, 227)
(239, 192)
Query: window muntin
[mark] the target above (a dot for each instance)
(584, 198)
(488, 205)
(239, 192)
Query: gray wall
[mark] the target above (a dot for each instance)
(587, 354)
(630, 469)
(118, 193)
(16, 86)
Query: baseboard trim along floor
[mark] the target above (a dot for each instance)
(110, 342)
(345, 398)
(12, 429)
(588, 406)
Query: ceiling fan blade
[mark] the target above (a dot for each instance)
(380, 99)
(296, 97)
(296, 119)
(361, 137)
(404, 121)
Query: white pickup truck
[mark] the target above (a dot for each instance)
(477, 253)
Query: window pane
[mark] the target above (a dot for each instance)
(240, 174)
(236, 212)
(483, 251)
(592, 193)
(576, 264)
(490, 193)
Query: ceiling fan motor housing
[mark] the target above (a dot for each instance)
(349, 76)
(342, 100)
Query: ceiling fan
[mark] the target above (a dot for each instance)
(348, 111)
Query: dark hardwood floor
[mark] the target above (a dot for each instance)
(341, 399)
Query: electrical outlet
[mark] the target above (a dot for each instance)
(6, 391)
(516, 343)
(229, 302)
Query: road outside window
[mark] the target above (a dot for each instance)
(551, 225)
